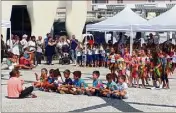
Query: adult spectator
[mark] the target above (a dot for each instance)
(73, 45)
(10, 42)
(15, 46)
(47, 39)
(50, 50)
(2, 48)
(46, 43)
(39, 50)
(32, 47)
(24, 42)
(59, 48)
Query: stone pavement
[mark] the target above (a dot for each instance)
(140, 100)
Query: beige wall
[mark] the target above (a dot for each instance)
(76, 17)
(42, 14)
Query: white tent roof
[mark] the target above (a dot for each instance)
(123, 21)
(163, 22)
(5, 24)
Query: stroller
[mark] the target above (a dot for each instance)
(65, 57)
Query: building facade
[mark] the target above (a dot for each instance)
(40, 15)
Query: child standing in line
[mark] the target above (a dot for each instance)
(102, 56)
(78, 84)
(89, 56)
(97, 56)
(64, 88)
(96, 86)
(121, 91)
(79, 55)
(111, 86)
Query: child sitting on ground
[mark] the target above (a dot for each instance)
(78, 85)
(41, 79)
(111, 86)
(64, 88)
(57, 78)
(50, 80)
(121, 92)
(97, 85)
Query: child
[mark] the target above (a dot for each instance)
(134, 70)
(79, 55)
(112, 60)
(57, 79)
(50, 80)
(97, 56)
(64, 88)
(102, 56)
(15, 86)
(78, 84)
(89, 56)
(43, 77)
(111, 86)
(96, 86)
(121, 91)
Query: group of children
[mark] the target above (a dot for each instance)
(94, 55)
(77, 86)
(143, 65)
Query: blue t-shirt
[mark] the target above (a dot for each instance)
(50, 80)
(79, 82)
(97, 84)
(112, 86)
(46, 41)
(26, 55)
(68, 81)
(73, 44)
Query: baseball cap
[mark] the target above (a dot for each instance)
(25, 36)
(67, 71)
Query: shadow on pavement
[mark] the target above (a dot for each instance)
(118, 104)
(151, 104)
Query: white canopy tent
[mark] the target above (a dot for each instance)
(124, 21)
(5, 24)
(163, 22)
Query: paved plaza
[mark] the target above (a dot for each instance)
(140, 100)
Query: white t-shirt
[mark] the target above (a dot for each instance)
(96, 51)
(24, 43)
(89, 52)
(58, 81)
(31, 43)
(123, 86)
(174, 59)
(15, 49)
(112, 58)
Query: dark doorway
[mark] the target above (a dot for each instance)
(20, 21)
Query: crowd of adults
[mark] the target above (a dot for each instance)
(29, 51)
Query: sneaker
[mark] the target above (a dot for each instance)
(160, 86)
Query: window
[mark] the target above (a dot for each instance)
(99, 1)
(151, 0)
(119, 1)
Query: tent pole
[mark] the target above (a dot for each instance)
(85, 49)
(131, 40)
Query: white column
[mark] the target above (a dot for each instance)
(6, 14)
(42, 14)
(76, 18)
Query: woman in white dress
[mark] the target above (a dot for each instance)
(15, 47)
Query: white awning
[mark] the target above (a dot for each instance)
(5, 24)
